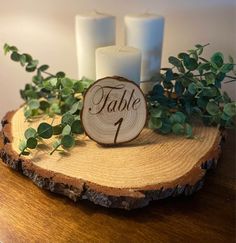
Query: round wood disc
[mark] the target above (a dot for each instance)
(148, 168)
(114, 111)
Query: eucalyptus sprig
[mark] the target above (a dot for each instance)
(50, 94)
(191, 89)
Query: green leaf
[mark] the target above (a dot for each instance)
(225, 117)
(188, 130)
(192, 88)
(169, 75)
(183, 55)
(15, 56)
(179, 88)
(28, 57)
(156, 112)
(231, 60)
(57, 130)
(66, 91)
(198, 46)
(202, 102)
(78, 87)
(212, 108)
(67, 83)
(22, 60)
(67, 119)
(6, 48)
(227, 68)
(27, 113)
(178, 117)
(200, 51)
(55, 108)
(178, 129)
(226, 98)
(217, 59)
(175, 61)
(67, 141)
(30, 68)
(30, 132)
(44, 105)
(32, 143)
(191, 64)
(210, 91)
(22, 145)
(60, 75)
(75, 107)
(86, 82)
(204, 67)
(53, 82)
(66, 130)
(77, 127)
(33, 104)
(210, 78)
(32, 65)
(230, 109)
(154, 123)
(45, 130)
(43, 68)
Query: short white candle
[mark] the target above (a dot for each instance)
(145, 31)
(118, 61)
(93, 30)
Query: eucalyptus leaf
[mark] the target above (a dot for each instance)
(230, 109)
(67, 141)
(178, 129)
(77, 127)
(67, 83)
(33, 104)
(15, 56)
(175, 61)
(217, 59)
(32, 143)
(212, 108)
(22, 145)
(45, 130)
(67, 119)
(30, 132)
(66, 130)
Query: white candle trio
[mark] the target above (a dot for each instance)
(98, 56)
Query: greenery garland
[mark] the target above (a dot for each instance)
(190, 89)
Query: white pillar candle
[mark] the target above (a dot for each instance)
(145, 31)
(121, 61)
(92, 31)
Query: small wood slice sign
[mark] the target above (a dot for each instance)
(114, 111)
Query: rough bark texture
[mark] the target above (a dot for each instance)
(105, 196)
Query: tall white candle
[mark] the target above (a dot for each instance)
(145, 31)
(93, 30)
(118, 61)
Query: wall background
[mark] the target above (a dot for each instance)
(45, 29)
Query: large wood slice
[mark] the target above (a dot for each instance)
(129, 176)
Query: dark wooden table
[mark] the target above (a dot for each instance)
(29, 214)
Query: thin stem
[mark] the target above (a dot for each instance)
(22, 151)
(50, 74)
(228, 76)
(230, 81)
(55, 148)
